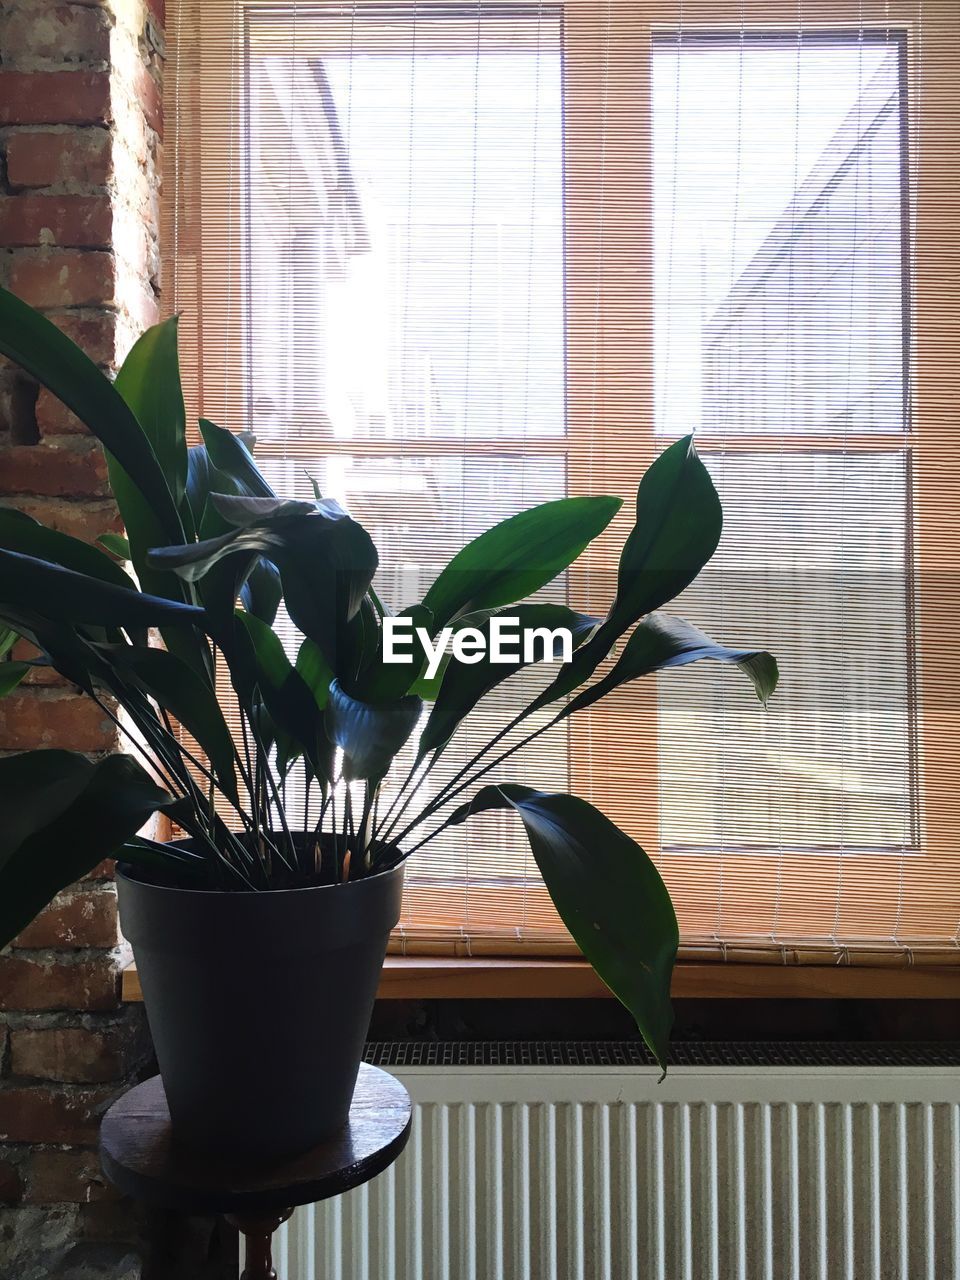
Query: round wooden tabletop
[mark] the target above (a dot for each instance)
(140, 1157)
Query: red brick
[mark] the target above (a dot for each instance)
(42, 158)
(11, 1188)
(55, 33)
(76, 918)
(84, 222)
(147, 93)
(74, 469)
(39, 1114)
(94, 332)
(63, 278)
(33, 984)
(53, 418)
(58, 33)
(85, 520)
(54, 97)
(72, 1054)
(24, 651)
(31, 718)
(58, 1177)
(104, 870)
(18, 406)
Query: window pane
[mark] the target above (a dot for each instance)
(779, 270)
(778, 236)
(405, 284)
(430, 303)
(819, 579)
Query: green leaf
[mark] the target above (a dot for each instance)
(678, 525)
(205, 478)
(192, 561)
(149, 381)
(20, 532)
(262, 591)
(273, 665)
(326, 567)
(387, 681)
(315, 671)
(230, 455)
(285, 693)
(11, 673)
(221, 584)
(660, 641)
(59, 594)
(36, 786)
(369, 735)
(116, 544)
(201, 482)
(326, 563)
(171, 862)
(37, 346)
(145, 530)
(243, 512)
(609, 895)
(464, 684)
(677, 530)
(518, 556)
(188, 698)
(62, 815)
(357, 647)
(428, 687)
(60, 643)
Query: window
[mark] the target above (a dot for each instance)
(780, 313)
(451, 261)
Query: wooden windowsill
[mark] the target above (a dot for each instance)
(428, 978)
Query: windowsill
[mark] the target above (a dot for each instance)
(429, 978)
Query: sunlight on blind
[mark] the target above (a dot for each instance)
(454, 261)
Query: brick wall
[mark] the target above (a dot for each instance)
(80, 131)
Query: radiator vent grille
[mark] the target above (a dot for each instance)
(579, 1174)
(630, 1053)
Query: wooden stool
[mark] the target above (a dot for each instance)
(140, 1157)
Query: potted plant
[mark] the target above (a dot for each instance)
(259, 935)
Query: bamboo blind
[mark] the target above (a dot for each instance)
(454, 260)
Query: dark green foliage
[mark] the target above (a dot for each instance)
(63, 815)
(608, 893)
(216, 555)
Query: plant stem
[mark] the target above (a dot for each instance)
(431, 761)
(448, 794)
(363, 845)
(403, 786)
(264, 765)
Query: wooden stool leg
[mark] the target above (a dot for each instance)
(257, 1231)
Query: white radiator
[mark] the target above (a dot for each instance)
(719, 1173)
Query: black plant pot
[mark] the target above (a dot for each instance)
(259, 1004)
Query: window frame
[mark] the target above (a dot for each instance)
(626, 48)
(604, 40)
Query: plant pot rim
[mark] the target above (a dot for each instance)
(126, 871)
